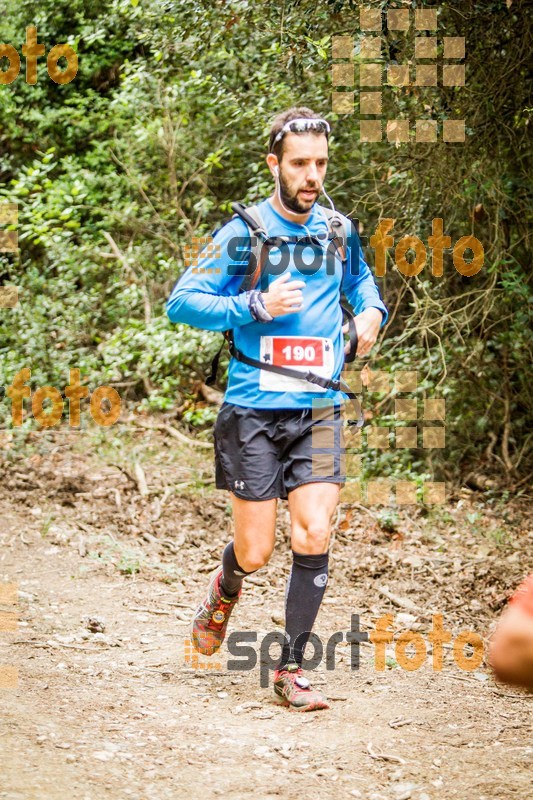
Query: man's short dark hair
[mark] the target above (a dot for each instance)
(296, 112)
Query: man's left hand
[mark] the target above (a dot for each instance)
(367, 325)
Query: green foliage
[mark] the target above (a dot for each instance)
(388, 520)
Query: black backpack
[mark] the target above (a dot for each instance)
(261, 242)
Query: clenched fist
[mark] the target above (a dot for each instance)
(367, 325)
(284, 296)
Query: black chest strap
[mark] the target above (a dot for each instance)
(336, 385)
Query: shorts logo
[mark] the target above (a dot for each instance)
(238, 484)
(321, 580)
(219, 617)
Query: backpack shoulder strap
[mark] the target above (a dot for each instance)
(336, 231)
(337, 234)
(259, 236)
(252, 217)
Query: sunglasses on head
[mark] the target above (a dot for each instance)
(302, 125)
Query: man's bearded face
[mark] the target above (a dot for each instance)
(302, 170)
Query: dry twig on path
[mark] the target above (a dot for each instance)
(175, 434)
(141, 480)
(401, 602)
(381, 756)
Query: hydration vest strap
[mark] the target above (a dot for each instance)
(311, 377)
(259, 244)
(352, 333)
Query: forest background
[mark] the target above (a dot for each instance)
(166, 124)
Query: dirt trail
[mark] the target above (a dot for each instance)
(121, 714)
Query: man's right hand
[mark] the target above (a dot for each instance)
(284, 296)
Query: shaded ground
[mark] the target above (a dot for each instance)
(95, 542)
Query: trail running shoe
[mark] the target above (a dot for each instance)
(295, 691)
(211, 618)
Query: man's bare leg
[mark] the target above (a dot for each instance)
(311, 507)
(255, 531)
(255, 536)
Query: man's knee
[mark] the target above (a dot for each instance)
(253, 559)
(311, 539)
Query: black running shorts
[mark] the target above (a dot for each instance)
(261, 454)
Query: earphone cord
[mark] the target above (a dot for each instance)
(330, 201)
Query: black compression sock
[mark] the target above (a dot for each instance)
(305, 590)
(232, 573)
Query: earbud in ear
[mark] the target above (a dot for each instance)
(276, 171)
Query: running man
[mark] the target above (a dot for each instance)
(264, 429)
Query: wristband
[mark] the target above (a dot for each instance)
(257, 307)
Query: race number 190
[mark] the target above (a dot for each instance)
(298, 350)
(299, 353)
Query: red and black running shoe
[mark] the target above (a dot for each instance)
(295, 691)
(211, 618)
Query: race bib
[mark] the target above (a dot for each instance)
(302, 353)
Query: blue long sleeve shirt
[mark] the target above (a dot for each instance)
(207, 296)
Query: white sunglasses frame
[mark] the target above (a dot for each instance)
(307, 122)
